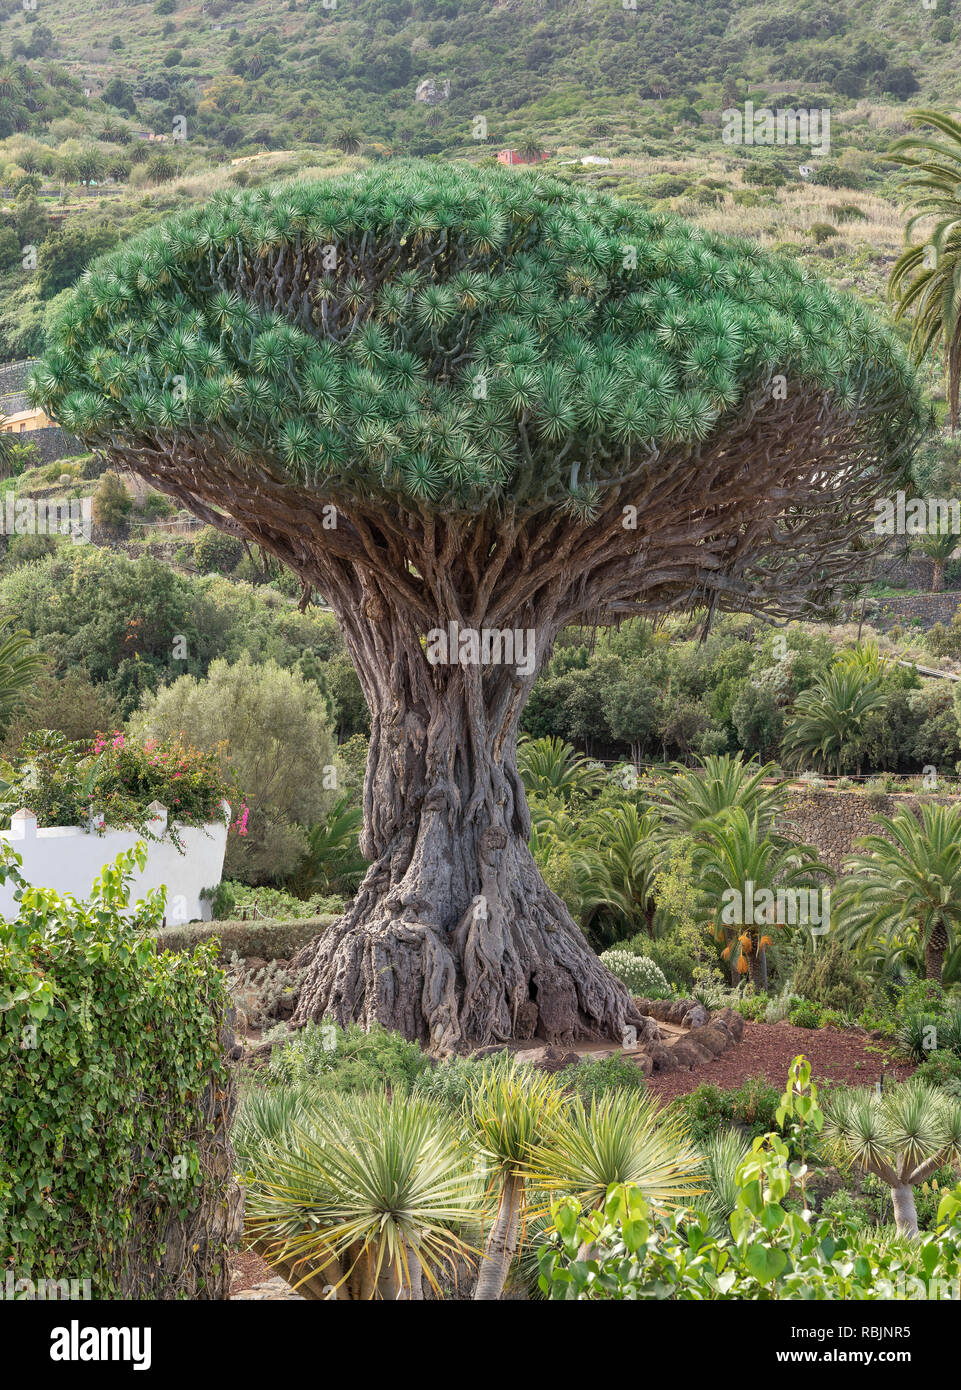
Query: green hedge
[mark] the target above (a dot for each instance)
(115, 1100)
(269, 940)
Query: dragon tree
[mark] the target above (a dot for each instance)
(471, 407)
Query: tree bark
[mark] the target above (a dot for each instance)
(934, 950)
(905, 1212)
(453, 938)
(937, 577)
(501, 1243)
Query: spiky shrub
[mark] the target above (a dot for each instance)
(446, 395)
(641, 975)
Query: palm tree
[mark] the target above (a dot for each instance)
(347, 139)
(907, 885)
(615, 866)
(737, 863)
(333, 853)
(694, 798)
(901, 1136)
(552, 767)
(938, 546)
(510, 1111)
(826, 726)
(20, 664)
(355, 1196)
(927, 277)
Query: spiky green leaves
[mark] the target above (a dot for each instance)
(418, 330)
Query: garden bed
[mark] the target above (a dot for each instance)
(767, 1049)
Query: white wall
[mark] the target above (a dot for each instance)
(68, 859)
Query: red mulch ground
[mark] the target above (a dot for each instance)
(246, 1270)
(768, 1049)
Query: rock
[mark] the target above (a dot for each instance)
(732, 1021)
(697, 1017)
(284, 1007)
(254, 963)
(714, 1037)
(688, 1053)
(643, 1061)
(677, 1011)
(662, 1058)
(556, 1059)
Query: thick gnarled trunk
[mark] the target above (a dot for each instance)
(454, 938)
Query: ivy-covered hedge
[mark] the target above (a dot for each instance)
(266, 939)
(115, 1162)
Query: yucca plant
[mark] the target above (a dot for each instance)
(901, 1136)
(723, 1154)
(825, 729)
(620, 1137)
(491, 404)
(906, 886)
(509, 1112)
(357, 1196)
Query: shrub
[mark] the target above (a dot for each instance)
(239, 900)
(752, 1106)
(452, 1081)
(216, 551)
(641, 975)
(940, 1067)
(806, 1014)
(828, 976)
(588, 1079)
(112, 1076)
(111, 502)
(280, 751)
(267, 939)
(348, 1059)
(66, 783)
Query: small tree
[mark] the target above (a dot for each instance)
(111, 502)
(902, 1136)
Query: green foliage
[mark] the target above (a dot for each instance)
(66, 783)
(828, 977)
(641, 975)
(216, 551)
(238, 900)
(752, 1106)
(826, 727)
(581, 346)
(635, 1252)
(276, 741)
(347, 1060)
(111, 502)
(589, 1079)
(106, 1050)
(806, 1014)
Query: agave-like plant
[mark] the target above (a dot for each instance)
(938, 546)
(723, 1154)
(901, 1136)
(509, 1112)
(620, 1137)
(552, 767)
(357, 1196)
(906, 886)
(826, 726)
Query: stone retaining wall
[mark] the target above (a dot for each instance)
(832, 820)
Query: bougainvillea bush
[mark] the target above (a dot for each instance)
(114, 1161)
(69, 783)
